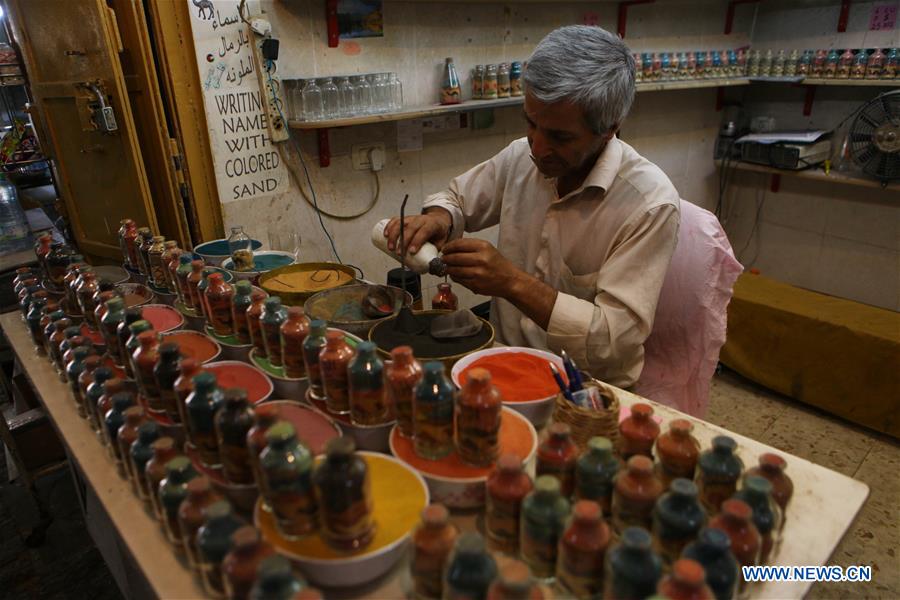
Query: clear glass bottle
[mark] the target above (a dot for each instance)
(271, 320)
(489, 88)
(331, 99)
(172, 491)
(296, 101)
(311, 101)
(344, 489)
(347, 97)
(241, 248)
(875, 64)
(200, 409)
(401, 375)
(382, 92)
(396, 88)
(232, 423)
(477, 82)
(503, 83)
(334, 359)
(450, 90)
(362, 94)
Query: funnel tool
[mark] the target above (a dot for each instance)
(406, 322)
(378, 302)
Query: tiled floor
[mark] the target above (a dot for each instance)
(874, 537)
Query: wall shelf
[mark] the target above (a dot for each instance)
(838, 177)
(853, 82)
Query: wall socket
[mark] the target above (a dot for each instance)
(359, 155)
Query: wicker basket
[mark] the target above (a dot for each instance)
(585, 422)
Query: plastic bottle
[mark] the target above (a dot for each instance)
(450, 90)
(426, 260)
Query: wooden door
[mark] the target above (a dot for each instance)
(71, 52)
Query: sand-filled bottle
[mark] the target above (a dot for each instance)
(478, 413)
(678, 452)
(73, 272)
(141, 453)
(557, 455)
(184, 385)
(595, 473)
(218, 299)
(50, 329)
(633, 569)
(582, 548)
(182, 272)
(401, 374)
(214, 543)
(171, 253)
(132, 345)
(240, 245)
(123, 334)
(638, 432)
(736, 519)
(677, 519)
(145, 359)
(470, 569)
(172, 492)
(57, 338)
(514, 582)
(506, 488)
(192, 282)
(635, 493)
(444, 299)
(368, 405)
(239, 305)
(85, 294)
(344, 491)
(100, 308)
(110, 388)
(264, 416)
(312, 347)
(164, 450)
(201, 293)
(191, 515)
(544, 513)
(72, 338)
(154, 260)
(293, 333)
(432, 542)
(286, 469)
(686, 581)
(200, 408)
(254, 324)
(85, 379)
(757, 493)
(271, 320)
(109, 327)
(433, 407)
(165, 372)
(232, 422)
(145, 240)
(33, 320)
(718, 473)
(240, 565)
(74, 368)
(92, 396)
(713, 551)
(334, 359)
(127, 435)
(275, 579)
(771, 466)
(115, 418)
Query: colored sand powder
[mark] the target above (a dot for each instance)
(520, 377)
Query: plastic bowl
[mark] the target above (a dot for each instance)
(263, 261)
(233, 373)
(215, 252)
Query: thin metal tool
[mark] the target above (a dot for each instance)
(406, 321)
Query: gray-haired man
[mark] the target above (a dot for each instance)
(587, 225)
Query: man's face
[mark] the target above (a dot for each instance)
(560, 140)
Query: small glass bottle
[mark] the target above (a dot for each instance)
(181, 280)
(286, 469)
(127, 435)
(200, 409)
(365, 373)
(42, 250)
(155, 471)
(891, 64)
(515, 79)
(543, 518)
(635, 493)
(582, 548)
(293, 333)
(489, 88)
(687, 580)
(240, 565)
(127, 228)
(765, 64)
(713, 551)
(633, 570)
(184, 385)
(445, 299)
(678, 452)
(172, 492)
(58, 337)
(141, 452)
(477, 82)
(858, 69)
(312, 347)
(109, 388)
(232, 422)
(344, 489)
(171, 252)
(595, 472)
(85, 379)
(478, 412)
(201, 292)
(165, 372)
(514, 582)
(718, 473)
(362, 96)
(33, 320)
(845, 64)
(503, 83)
(433, 407)
(506, 488)
(74, 368)
(70, 281)
(85, 293)
(345, 95)
(450, 90)
(143, 248)
(93, 394)
(757, 493)
(131, 242)
(100, 309)
(771, 466)
(109, 326)
(677, 519)
(831, 64)
(191, 516)
(113, 420)
(818, 64)
(123, 334)
(50, 330)
(331, 99)
(193, 281)
(432, 543)
(470, 569)
(264, 416)
(396, 90)
(59, 258)
(214, 543)
(334, 359)
(241, 248)
(276, 580)
(875, 64)
(239, 305)
(271, 320)
(254, 325)
(218, 295)
(401, 375)
(133, 344)
(154, 259)
(145, 359)
(736, 520)
(638, 432)
(556, 456)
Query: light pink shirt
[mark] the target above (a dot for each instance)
(605, 247)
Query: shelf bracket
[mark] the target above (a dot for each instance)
(729, 16)
(623, 13)
(808, 101)
(331, 19)
(324, 147)
(775, 183)
(844, 16)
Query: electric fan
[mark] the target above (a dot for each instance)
(874, 137)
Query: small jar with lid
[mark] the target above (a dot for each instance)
(556, 456)
(401, 375)
(271, 320)
(432, 543)
(232, 422)
(638, 432)
(344, 489)
(293, 333)
(154, 259)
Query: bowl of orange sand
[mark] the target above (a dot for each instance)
(521, 374)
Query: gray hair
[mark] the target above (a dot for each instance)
(588, 66)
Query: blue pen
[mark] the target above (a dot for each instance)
(568, 366)
(576, 382)
(562, 386)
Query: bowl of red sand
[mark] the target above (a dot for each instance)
(521, 374)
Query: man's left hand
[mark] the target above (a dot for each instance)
(479, 266)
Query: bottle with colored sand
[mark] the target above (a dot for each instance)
(582, 548)
(678, 452)
(514, 582)
(214, 543)
(109, 326)
(264, 416)
(444, 299)
(635, 493)
(254, 323)
(191, 516)
(478, 415)
(141, 452)
(200, 409)
(286, 470)
(232, 422)
(720, 469)
(368, 405)
(401, 375)
(638, 432)
(433, 412)
(240, 565)
(172, 492)
(677, 519)
(595, 472)
(218, 295)
(556, 456)
(165, 372)
(164, 450)
(293, 333)
(771, 466)
(757, 493)
(334, 359)
(113, 420)
(543, 518)
(432, 542)
(736, 519)
(273, 317)
(275, 579)
(127, 435)
(239, 305)
(470, 569)
(145, 359)
(506, 488)
(713, 551)
(312, 347)
(184, 385)
(633, 569)
(344, 489)
(686, 581)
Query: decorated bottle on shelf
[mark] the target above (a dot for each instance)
(312, 347)
(93, 394)
(646, 67)
(201, 292)
(445, 299)
(127, 436)
(254, 323)
(735, 519)
(184, 384)
(146, 241)
(477, 82)
(286, 469)
(27, 295)
(200, 409)
(718, 473)
(273, 317)
(506, 488)
(240, 565)
(109, 326)
(193, 281)
(831, 64)
(232, 422)
(56, 339)
(85, 293)
(264, 416)
(182, 272)
(365, 372)
(72, 341)
(595, 472)
(686, 581)
(275, 579)
(891, 64)
(123, 334)
(845, 64)
(164, 450)
(109, 388)
(401, 375)
(57, 260)
(478, 415)
(133, 344)
(171, 252)
(100, 309)
(515, 79)
(33, 320)
(503, 82)
(70, 283)
(41, 251)
(713, 551)
(141, 452)
(875, 64)
(858, 68)
(50, 330)
(582, 548)
(765, 63)
(677, 519)
(191, 516)
(241, 248)
(218, 297)
(172, 492)
(791, 63)
(656, 66)
(433, 407)
(214, 543)
(154, 261)
(633, 569)
(514, 582)
(678, 452)
(638, 432)
(450, 90)
(115, 418)
(344, 489)
(432, 543)
(556, 456)
(771, 466)
(74, 368)
(470, 569)
(85, 379)
(778, 64)
(129, 243)
(817, 69)
(293, 333)
(239, 305)
(489, 89)
(636, 490)
(757, 493)
(334, 359)
(145, 359)
(165, 372)
(543, 517)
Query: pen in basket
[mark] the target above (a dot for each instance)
(575, 381)
(562, 386)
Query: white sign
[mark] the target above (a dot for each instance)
(247, 164)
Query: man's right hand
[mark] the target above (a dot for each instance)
(433, 226)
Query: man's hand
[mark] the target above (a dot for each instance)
(479, 266)
(433, 226)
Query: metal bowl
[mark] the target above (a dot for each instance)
(298, 297)
(263, 263)
(341, 307)
(214, 252)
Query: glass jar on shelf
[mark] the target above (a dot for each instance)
(362, 93)
(396, 88)
(241, 248)
(331, 102)
(311, 101)
(347, 97)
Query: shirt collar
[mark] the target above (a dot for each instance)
(604, 170)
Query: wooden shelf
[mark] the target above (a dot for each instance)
(838, 177)
(853, 82)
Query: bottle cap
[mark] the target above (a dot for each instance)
(683, 487)
(158, 238)
(641, 410)
(587, 510)
(245, 536)
(115, 304)
(236, 396)
(758, 485)
(133, 414)
(402, 353)
(715, 538)
(600, 444)
(295, 312)
(334, 336)
(163, 445)
(148, 432)
(122, 400)
(724, 444)
(515, 578)
(139, 326)
(280, 432)
(737, 509)
(435, 515)
(188, 365)
(185, 259)
(772, 461)
(102, 374)
(318, 326)
(681, 427)
(199, 485)
(434, 368)
(689, 572)
(147, 338)
(478, 376)
(204, 380)
(470, 542)
(215, 277)
(217, 510)
(636, 538)
(243, 287)
(366, 348)
(273, 303)
(340, 447)
(640, 465)
(546, 484)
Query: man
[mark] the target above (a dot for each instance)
(587, 225)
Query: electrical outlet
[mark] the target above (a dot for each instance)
(359, 154)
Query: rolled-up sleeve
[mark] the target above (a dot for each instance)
(607, 336)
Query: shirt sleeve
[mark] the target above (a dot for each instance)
(606, 336)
